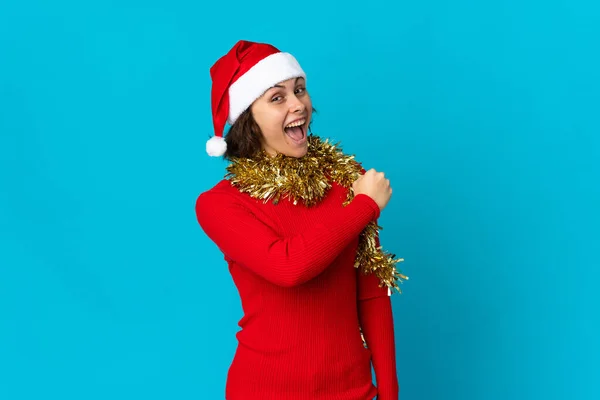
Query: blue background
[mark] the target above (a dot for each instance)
(484, 115)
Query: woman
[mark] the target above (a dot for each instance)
(296, 221)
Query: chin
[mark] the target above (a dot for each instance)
(297, 152)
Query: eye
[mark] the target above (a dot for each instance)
(300, 90)
(275, 99)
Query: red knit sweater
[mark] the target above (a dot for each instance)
(302, 298)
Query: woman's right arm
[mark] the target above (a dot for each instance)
(284, 261)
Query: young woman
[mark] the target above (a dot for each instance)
(296, 220)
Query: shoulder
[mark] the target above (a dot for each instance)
(222, 203)
(223, 186)
(221, 192)
(225, 197)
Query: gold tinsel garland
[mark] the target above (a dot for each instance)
(307, 179)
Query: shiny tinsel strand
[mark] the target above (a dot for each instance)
(307, 179)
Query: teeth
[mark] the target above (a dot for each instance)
(298, 123)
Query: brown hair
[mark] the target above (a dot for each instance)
(244, 137)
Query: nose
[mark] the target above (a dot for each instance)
(296, 106)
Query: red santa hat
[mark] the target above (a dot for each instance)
(242, 76)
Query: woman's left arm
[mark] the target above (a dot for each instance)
(377, 324)
(378, 330)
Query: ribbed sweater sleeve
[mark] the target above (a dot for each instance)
(284, 261)
(377, 323)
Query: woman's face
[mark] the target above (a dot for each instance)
(283, 114)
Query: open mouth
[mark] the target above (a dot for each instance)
(297, 131)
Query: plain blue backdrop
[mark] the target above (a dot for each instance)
(484, 115)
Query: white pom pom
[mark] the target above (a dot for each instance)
(216, 146)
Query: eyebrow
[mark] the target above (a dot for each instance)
(283, 87)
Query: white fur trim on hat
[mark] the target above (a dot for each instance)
(263, 75)
(216, 146)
